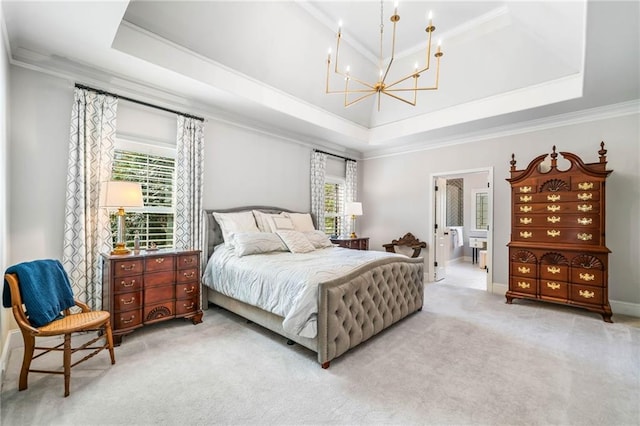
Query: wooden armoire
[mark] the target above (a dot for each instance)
(557, 251)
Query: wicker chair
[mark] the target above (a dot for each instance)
(87, 320)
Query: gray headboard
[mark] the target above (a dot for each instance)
(214, 234)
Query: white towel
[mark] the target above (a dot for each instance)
(458, 235)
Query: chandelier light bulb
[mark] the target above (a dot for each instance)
(430, 17)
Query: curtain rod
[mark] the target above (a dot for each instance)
(104, 92)
(335, 155)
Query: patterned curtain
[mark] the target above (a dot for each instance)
(350, 193)
(188, 224)
(318, 171)
(87, 231)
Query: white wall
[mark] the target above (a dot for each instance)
(5, 314)
(396, 190)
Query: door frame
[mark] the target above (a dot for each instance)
(431, 219)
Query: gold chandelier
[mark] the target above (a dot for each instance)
(380, 87)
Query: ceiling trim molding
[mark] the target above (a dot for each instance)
(561, 120)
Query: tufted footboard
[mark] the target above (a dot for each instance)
(363, 303)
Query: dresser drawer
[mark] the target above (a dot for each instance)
(555, 289)
(585, 185)
(159, 312)
(187, 261)
(128, 319)
(522, 285)
(158, 294)
(557, 235)
(554, 272)
(184, 291)
(586, 294)
(186, 306)
(127, 284)
(586, 276)
(160, 263)
(524, 269)
(127, 301)
(186, 275)
(123, 268)
(159, 278)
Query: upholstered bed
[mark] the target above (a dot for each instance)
(351, 308)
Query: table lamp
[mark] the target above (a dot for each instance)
(120, 194)
(353, 209)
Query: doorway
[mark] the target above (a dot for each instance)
(461, 221)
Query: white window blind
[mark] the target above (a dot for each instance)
(334, 193)
(154, 171)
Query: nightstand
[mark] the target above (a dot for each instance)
(360, 243)
(150, 286)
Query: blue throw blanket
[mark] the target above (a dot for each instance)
(45, 290)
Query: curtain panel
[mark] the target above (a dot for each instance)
(318, 173)
(351, 193)
(189, 172)
(87, 231)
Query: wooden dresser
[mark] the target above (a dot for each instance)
(149, 287)
(359, 243)
(557, 251)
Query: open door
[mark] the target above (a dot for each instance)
(440, 231)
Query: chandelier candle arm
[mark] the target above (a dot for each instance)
(380, 87)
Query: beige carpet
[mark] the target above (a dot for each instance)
(467, 358)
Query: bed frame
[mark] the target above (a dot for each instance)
(351, 309)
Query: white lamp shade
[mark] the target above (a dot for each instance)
(121, 194)
(353, 208)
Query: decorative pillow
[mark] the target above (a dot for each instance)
(235, 222)
(296, 241)
(281, 223)
(263, 220)
(319, 239)
(301, 221)
(246, 243)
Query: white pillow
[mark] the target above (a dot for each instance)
(301, 221)
(263, 220)
(235, 222)
(319, 239)
(246, 243)
(281, 223)
(296, 241)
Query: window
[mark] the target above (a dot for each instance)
(480, 198)
(333, 205)
(153, 168)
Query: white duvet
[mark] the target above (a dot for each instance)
(283, 283)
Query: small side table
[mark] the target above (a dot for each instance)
(359, 243)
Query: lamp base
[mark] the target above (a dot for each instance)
(120, 249)
(353, 235)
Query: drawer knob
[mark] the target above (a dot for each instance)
(188, 291)
(585, 221)
(526, 234)
(526, 209)
(553, 208)
(553, 219)
(585, 237)
(553, 269)
(525, 189)
(585, 208)
(160, 260)
(524, 284)
(585, 196)
(130, 320)
(526, 220)
(553, 197)
(131, 284)
(128, 267)
(189, 307)
(553, 233)
(553, 285)
(524, 270)
(587, 277)
(189, 274)
(188, 260)
(526, 198)
(586, 294)
(585, 185)
(128, 302)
